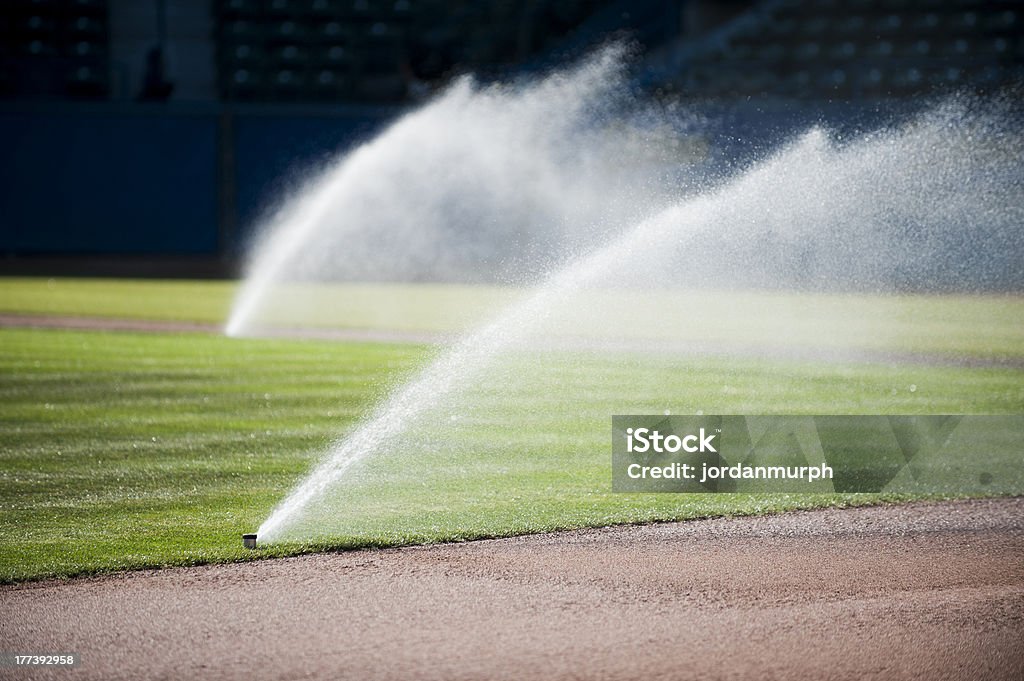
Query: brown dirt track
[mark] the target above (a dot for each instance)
(917, 591)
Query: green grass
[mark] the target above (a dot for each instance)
(982, 327)
(404, 307)
(122, 450)
(200, 301)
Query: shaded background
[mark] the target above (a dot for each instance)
(149, 136)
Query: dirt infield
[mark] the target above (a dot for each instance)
(918, 591)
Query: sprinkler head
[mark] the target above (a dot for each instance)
(249, 541)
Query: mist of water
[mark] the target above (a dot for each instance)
(520, 177)
(486, 183)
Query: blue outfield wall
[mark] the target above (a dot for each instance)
(99, 182)
(144, 180)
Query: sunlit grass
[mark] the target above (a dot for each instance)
(122, 450)
(989, 327)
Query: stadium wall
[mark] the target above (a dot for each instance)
(139, 180)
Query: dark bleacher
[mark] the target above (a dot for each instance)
(376, 50)
(857, 49)
(54, 49)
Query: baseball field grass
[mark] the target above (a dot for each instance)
(125, 450)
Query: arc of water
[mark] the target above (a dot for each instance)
(457, 366)
(284, 244)
(467, 358)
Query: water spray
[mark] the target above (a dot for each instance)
(935, 203)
